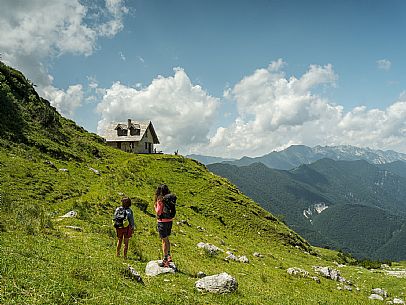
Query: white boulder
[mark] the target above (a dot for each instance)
(380, 291)
(375, 297)
(219, 283)
(211, 249)
(154, 268)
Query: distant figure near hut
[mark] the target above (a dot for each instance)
(135, 137)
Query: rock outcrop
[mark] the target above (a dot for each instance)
(70, 214)
(209, 248)
(375, 297)
(154, 268)
(201, 275)
(133, 274)
(294, 271)
(380, 291)
(331, 274)
(298, 272)
(219, 283)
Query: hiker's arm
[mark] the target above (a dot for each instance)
(131, 220)
(159, 207)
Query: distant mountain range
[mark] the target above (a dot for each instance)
(296, 155)
(354, 206)
(208, 159)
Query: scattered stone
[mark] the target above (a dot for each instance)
(219, 283)
(231, 257)
(70, 214)
(133, 274)
(50, 163)
(153, 268)
(74, 228)
(375, 297)
(94, 171)
(330, 273)
(183, 222)
(244, 259)
(200, 228)
(344, 287)
(256, 254)
(384, 266)
(200, 275)
(167, 280)
(316, 279)
(398, 301)
(298, 272)
(64, 170)
(209, 248)
(380, 292)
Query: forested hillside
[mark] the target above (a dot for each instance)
(362, 205)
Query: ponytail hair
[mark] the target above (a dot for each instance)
(161, 191)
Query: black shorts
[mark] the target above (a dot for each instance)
(164, 229)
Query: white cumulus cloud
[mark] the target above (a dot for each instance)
(181, 112)
(275, 111)
(65, 101)
(34, 31)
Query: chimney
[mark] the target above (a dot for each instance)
(129, 123)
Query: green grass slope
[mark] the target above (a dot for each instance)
(44, 262)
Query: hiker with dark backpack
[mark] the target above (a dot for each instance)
(165, 211)
(124, 223)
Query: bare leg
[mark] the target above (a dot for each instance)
(166, 245)
(126, 240)
(119, 242)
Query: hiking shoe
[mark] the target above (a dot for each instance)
(164, 263)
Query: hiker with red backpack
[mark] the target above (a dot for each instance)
(124, 223)
(165, 211)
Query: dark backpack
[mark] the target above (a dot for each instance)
(169, 207)
(120, 216)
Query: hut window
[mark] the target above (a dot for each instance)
(122, 132)
(135, 131)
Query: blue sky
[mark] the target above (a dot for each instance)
(120, 48)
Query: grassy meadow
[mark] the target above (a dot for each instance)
(47, 168)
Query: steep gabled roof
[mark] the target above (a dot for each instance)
(153, 133)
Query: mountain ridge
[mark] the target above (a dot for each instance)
(296, 155)
(329, 183)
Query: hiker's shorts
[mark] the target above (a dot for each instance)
(126, 232)
(164, 229)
